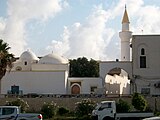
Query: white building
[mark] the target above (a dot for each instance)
(50, 74)
(146, 64)
(121, 71)
(144, 69)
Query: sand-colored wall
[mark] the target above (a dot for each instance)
(36, 103)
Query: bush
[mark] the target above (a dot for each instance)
(62, 111)
(122, 106)
(139, 102)
(157, 113)
(148, 109)
(19, 102)
(48, 110)
(84, 107)
(84, 117)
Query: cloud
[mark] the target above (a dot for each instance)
(94, 39)
(143, 17)
(21, 12)
(2, 26)
(88, 39)
(147, 20)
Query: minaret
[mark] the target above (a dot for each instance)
(125, 36)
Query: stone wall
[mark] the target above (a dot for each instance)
(36, 103)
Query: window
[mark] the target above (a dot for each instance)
(7, 111)
(142, 51)
(142, 61)
(105, 105)
(93, 89)
(25, 63)
(142, 58)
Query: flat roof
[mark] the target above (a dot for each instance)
(147, 35)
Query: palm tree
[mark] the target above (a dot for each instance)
(6, 59)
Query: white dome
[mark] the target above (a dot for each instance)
(53, 59)
(28, 55)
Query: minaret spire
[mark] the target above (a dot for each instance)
(125, 16)
(125, 36)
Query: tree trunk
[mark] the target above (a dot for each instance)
(1, 76)
(0, 83)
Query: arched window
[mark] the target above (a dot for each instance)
(142, 58)
(25, 63)
(142, 51)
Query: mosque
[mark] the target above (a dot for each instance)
(50, 74)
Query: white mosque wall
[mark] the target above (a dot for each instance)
(86, 84)
(146, 79)
(21, 64)
(36, 82)
(148, 87)
(106, 66)
(91, 82)
(51, 67)
(151, 44)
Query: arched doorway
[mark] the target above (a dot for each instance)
(75, 89)
(117, 82)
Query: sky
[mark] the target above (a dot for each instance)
(74, 28)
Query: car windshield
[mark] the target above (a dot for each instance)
(7, 111)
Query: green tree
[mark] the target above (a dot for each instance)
(48, 110)
(62, 111)
(123, 106)
(93, 68)
(139, 102)
(6, 59)
(81, 67)
(19, 102)
(84, 108)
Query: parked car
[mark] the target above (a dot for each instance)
(13, 113)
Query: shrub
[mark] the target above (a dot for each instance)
(48, 110)
(84, 117)
(19, 102)
(62, 111)
(148, 109)
(84, 107)
(139, 102)
(157, 114)
(122, 106)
